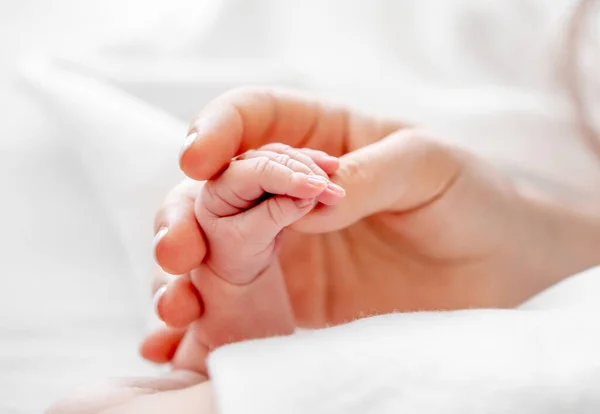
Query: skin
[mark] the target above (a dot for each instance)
(422, 226)
(179, 391)
(415, 243)
(242, 213)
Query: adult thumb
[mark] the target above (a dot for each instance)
(399, 173)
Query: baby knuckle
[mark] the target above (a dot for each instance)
(262, 165)
(297, 155)
(284, 159)
(276, 212)
(286, 149)
(314, 167)
(306, 161)
(209, 191)
(309, 161)
(246, 155)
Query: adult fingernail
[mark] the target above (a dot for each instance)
(336, 189)
(317, 181)
(189, 140)
(160, 234)
(157, 296)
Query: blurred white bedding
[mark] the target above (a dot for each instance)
(92, 128)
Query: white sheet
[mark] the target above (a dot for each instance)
(466, 362)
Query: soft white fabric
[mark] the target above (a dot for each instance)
(86, 165)
(495, 362)
(128, 150)
(540, 358)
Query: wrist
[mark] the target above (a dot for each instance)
(562, 240)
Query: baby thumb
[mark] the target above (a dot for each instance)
(401, 172)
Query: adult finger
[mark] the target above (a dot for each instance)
(160, 345)
(178, 303)
(249, 118)
(192, 351)
(179, 244)
(399, 173)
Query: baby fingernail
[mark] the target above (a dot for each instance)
(304, 202)
(330, 157)
(188, 142)
(336, 189)
(317, 181)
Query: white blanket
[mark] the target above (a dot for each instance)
(91, 147)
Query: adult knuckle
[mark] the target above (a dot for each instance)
(435, 162)
(352, 171)
(421, 143)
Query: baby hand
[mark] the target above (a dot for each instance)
(242, 213)
(244, 210)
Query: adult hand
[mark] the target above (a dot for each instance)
(423, 225)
